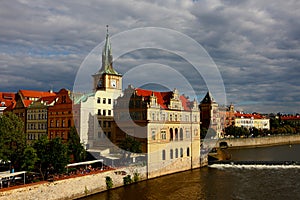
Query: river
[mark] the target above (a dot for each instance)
(224, 181)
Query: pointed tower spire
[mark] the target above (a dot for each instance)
(208, 98)
(107, 58)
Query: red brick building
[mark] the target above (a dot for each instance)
(60, 117)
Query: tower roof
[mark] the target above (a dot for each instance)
(208, 99)
(107, 58)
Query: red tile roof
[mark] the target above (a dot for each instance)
(35, 94)
(163, 98)
(7, 98)
(48, 100)
(185, 103)
(248, 115)
(27, 94)
(27, 102)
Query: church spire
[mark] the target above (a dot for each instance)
(107, 58)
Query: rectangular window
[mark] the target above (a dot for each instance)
(98, 100)
(153, 134)
(163, 135)
(163, 154)
(109, 101)
(109, 112)
(99, 111)
(187, 133)
(104, 112)
(104, 100)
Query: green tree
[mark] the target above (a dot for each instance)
(41, 148)
(29, 159)
(52, 156)
(130, 145)
(75, 148)
(109, 182)
(12, 139)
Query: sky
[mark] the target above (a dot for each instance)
(254, 44)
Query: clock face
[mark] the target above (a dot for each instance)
(113, 83)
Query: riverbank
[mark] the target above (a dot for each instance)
(237, 143)
(72, 188)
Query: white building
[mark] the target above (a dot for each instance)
(167, 125)
(93, 112)
(251, 120)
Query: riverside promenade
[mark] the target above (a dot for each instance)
(71, 188)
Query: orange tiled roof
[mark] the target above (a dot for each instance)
(247, 115)
(163, 98)
(7, 99)
(27, 102)
(185, 102)
(48, 99)
(36, 94)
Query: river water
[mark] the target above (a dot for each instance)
(224, 181)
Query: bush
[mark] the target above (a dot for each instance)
(109, 182)
(136, 177)
(127, 180)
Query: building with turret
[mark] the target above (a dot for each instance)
(166, 123)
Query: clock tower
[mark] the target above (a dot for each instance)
(107, 78)
(107, 87)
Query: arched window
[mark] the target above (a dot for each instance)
(163, 155)
(181, 134)
(171, 153)
(176, 134)
(181, 152)
(171, 134)
(188, 152)
(176, 153)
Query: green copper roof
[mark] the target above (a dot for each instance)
(107, 58)
(79, 98)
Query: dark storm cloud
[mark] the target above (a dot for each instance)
(255, 44)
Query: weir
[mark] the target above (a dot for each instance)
(256, 162)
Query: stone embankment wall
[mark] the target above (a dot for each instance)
(261, 141)
(73, 187)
